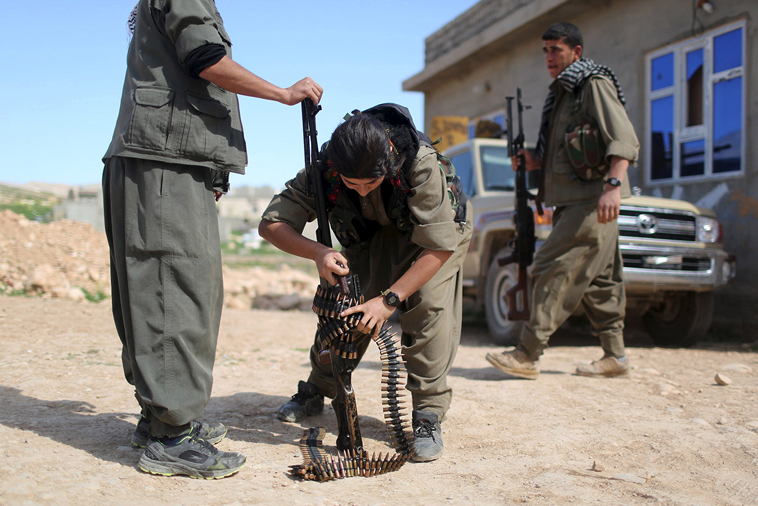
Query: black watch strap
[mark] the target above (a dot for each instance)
(391, 298)
(613, 181)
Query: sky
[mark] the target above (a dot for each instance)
(64, 70)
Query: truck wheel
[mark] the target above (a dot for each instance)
(681, 319)
(499, 279)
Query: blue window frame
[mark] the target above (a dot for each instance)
(695, 119)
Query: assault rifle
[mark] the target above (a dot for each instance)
(517, 297)
(313, 170)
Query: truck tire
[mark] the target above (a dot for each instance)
(504, 332)
(681, 319)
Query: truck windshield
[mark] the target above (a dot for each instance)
(496, 168)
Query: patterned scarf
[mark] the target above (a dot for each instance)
(132, 21)
(572, 78)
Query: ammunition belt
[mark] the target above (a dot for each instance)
(340, 334)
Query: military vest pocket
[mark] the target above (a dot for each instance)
(208, 125)
(151, 117)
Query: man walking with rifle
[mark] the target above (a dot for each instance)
(586, 143)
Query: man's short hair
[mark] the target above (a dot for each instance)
(567, 32)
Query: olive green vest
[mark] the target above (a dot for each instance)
(166, 114)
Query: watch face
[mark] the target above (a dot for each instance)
(392, 299)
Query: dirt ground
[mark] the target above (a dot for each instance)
(667, 434)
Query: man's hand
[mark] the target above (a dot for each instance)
(329, 263)
(375, 313)
(609, 203)
(304, 88)
(533, 162)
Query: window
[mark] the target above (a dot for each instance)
(695, 107)
(465, 171)
(497, 174)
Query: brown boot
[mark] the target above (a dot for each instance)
(515, 363)
(607, 366)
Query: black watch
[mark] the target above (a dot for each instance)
(613, 181)
(391, 298)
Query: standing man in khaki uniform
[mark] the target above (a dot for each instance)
(177, 137)
(585, 146)
(403, 230)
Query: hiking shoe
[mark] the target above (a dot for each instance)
(188, 455)
(608, 367)
(213, 432)
(515, 363)
(306, 402)
(427, 430)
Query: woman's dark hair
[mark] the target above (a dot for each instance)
(360, 148)
(567, 32)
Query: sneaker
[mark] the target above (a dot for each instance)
(213, 432)
(427, 430)
(306, 402)
(188, 455)
(515, 363)
(608, 367)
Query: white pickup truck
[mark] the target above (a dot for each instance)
(672, 251)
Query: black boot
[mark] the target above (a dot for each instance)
(306, 402)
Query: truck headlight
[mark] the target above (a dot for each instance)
(708, 229)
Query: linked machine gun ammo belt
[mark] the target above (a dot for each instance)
(340, 337)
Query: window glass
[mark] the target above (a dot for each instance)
(496, 168)
(662, 137)
(662, 74)
(727, 125)
(693, 158)
(464, 170)
(727, 50)
(694, 107)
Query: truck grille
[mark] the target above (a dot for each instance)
(673, 263)
(654, 224)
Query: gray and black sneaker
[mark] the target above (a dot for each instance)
(306, 402)
(213, 432)
(428, 432)
(188, 455)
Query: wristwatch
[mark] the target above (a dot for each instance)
(613, 181)
(390, 298)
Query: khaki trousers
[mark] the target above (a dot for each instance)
(430, 318)
(167, 289)
(579, 263)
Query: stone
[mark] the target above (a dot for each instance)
(752, 425)
(597, 467)
(722, 380)
(700, 421)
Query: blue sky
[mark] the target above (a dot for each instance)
(64, 69)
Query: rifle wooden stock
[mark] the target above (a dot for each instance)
(518, 297)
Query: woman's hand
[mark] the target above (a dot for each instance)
(329, 263)
(375, 313)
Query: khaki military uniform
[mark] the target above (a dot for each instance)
(174, 136)
(580, 262)
(431, 317)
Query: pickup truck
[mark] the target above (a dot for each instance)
(672, 251)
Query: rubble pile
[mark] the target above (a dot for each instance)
(59, 259)
(68, 259)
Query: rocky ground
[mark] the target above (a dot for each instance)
(69, 260)
(667, 434)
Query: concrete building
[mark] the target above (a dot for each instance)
(82, 203)
(688, 71)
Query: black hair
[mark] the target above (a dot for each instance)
(566, 32)
(360, 148)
